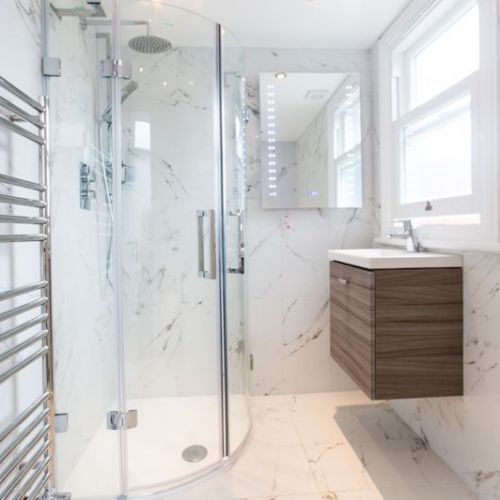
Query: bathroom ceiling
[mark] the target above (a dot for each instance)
(328, 24)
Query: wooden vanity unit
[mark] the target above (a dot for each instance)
(398, 333)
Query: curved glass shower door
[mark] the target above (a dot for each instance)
(171, 294)
(150, 354)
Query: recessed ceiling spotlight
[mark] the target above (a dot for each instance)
(141, 69)
(280, 76)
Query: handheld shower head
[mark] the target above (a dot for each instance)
(127, 91)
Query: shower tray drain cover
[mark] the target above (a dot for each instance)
(194, 453)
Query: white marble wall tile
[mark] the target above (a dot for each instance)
(171, 337)
(287, 268)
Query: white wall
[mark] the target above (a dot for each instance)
(286, 250)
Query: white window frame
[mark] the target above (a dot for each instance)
(421, 22)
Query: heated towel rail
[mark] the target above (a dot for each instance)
(26, 430)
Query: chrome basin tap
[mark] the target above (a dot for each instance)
(410, 235)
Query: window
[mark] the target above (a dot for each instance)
(437, 154)
(441, 147)
(346, 111)
(446, 59)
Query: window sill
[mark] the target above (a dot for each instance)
(456, 246)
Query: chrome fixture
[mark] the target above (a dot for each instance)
(126, 92)
(61, 422)
(116, 420)
(194, 453)
(211, 273)
(87, 186)
(149, 44)
(241, 245)
(28, 437)
(409, 234)
(95, 10)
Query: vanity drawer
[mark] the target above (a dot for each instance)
(353, 319)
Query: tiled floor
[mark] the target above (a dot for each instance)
(331, 446)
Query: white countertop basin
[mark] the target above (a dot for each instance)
(385, 258)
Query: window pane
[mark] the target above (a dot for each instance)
(447, 59)
(437, 155)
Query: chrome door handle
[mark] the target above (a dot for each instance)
(202, 272)
(241, 243)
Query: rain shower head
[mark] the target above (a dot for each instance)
(149, 44)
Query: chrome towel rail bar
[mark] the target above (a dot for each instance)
(28, 466)
(20, 94)
(15, 181)
(21, 219)
(17, 200)
(40, 486)
(21, 131)
(25, 433)
(23, 326)
(22, 290)
(13, 238)
(23, 345)
(22, 364)
(18, 459)
(42, 469)
(23, 308)
(24, 415)
(21, 114)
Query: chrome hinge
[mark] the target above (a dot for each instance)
(61, 422)
(116, 68)
(51, 66)
(251, 362)
(117, 420)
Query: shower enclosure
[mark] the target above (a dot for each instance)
(147, 169)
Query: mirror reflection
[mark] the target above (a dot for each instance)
(311, 140)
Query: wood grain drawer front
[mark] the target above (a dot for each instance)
(419, 333)
(352, 323)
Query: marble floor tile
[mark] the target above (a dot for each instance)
(403, 463)
(337, 467)
(328, 401)
(371, 422)
(329, 446)
(316, 427)
(274, 428)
